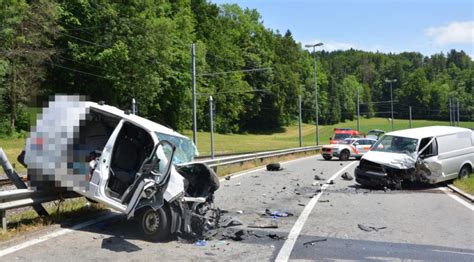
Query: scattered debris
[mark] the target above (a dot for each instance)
(301, 204)
(347, 176)
(272, 224)
(369, 228)
(341, 164)
(314, 169)
(321, 172)
(255, 176)
(386, 189)
(200, 243)
(324, 201)
(277, 213)
(227, 177)
(276, 237)
(274, 167)
(231, 222)
(331, 182)
(316, 177)
(239, 211)
(236, 235)
(210, 254)
(313, 242)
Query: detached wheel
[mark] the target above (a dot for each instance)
(327, 157)
(154, 225)
(465, 172)
(344, 156)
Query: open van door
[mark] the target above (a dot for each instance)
(152, 180)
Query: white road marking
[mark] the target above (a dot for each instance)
(285, 251)
(55, 234)
(455, 197)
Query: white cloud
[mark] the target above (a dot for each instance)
(330, 45)
(453, 33)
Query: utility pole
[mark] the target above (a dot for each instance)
(458, 112)
(211, 115)
(391, 96)
(409, 109)
(193, 58)
(316, 89)
(299, 119)
(134, 106)
(358, 111)
(450, 113)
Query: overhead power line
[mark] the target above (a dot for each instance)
(235, 71)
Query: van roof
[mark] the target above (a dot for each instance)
(145, 123)
(428, 131)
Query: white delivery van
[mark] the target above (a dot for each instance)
(427, 154)
(126, 162)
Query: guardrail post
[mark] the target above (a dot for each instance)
(4, 220)
(13, 176)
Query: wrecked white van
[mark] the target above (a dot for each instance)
(428, 154)
(124, 161)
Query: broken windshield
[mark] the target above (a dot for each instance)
(185, 148)
(396, 144)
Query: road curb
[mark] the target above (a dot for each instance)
(462, 193)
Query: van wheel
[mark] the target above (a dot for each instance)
(154, 225)
(327, 157)
(465, 172)
(344, 156)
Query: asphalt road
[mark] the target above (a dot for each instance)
(418, 224)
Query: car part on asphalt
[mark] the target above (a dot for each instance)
(347, 176)
(370, 228)
(274, 167)
(313, 242)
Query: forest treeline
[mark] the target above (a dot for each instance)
(115, 51)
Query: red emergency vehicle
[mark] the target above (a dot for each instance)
(341, 134)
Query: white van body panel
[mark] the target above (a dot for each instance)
(455, 149)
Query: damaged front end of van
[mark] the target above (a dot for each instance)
(394, 160)
(128, 163)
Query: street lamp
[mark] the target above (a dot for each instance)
(391, 95)
(316, 88)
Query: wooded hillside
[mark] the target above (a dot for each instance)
(114, 52)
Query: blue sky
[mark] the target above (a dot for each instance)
(426, 26)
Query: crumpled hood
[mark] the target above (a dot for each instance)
(394, 160)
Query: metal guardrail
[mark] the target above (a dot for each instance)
(12, 199)
(261, 155)
(17, 198)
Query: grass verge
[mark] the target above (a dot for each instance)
(60, 212)
(466, 185)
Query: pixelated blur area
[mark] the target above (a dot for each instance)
(54, 156)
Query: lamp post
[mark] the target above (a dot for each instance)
(316, 89)
(391, 95)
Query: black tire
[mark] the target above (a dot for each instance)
(344, 156)
(273, 167)
(327, 157)
(154, 225)
(465, 172)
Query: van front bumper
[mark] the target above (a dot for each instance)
(371, 178)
